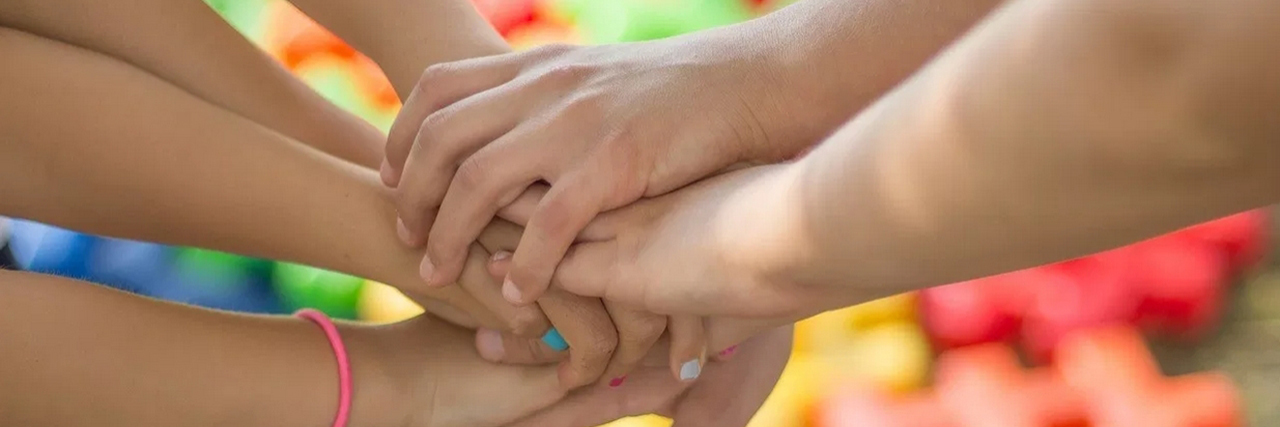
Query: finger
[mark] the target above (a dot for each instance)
(449, 301)
(563, 212)
(519, 210)
(445, 138)
(527, 321)
(688, 347)
(730, 393)
(439, 86)
(498, 171)
(500, 236)
(594, 407)
(590, 333)
(593, 269)
(497, 347)
(638, 331)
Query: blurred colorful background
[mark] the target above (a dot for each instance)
(943, 357)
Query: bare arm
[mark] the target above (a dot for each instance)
(188, 45)
(1058, 129)
(76, 354)
(95, 145)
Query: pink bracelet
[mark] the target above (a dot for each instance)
(344, 366)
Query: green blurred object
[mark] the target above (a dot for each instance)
(220, 267)
(616, 21)
(335, 80)
(247, 16)
(300, 286)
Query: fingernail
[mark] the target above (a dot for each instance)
(427, 270)
(403, 232)
(555, 341)
(511, 292)
(728, 351)
(489, 343)
(690, 370)
(617, 382)
(501, 256)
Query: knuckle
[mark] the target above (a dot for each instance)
(433, 76)
(473, 173)
(567, 73)
(527, 323)
(642, 331)
(602, 345)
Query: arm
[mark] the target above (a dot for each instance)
(95, 145)
(76, 354)
(187, 44)
(406, 36)
(1058, 129)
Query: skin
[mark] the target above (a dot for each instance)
(125, 109)
(225, 183)
(186, 44)
(608, 125)
(183, 361)
(1137, 117)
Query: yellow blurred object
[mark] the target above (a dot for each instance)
(380, 303)
(538, 34)
(895, 357)
(834, 330)
(804, 380)
(897, 308)
(641, 421)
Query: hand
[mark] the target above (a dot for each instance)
(607, 340)
(728, 394)
(716, 248)
(423, 372)
(604, 125)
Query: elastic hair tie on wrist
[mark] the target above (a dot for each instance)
(344, 365)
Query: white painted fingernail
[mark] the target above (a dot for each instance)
(690, 370)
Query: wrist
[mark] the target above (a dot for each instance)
(380, 397)
(768, 242)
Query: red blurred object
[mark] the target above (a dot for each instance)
(1182, 283)
(1174, 285)
(506, 15)
(966, 313)
(1121, 385)
(1103, 378)
(1242, 236)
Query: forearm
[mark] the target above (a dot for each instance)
(188, 45)
(123, 154)
(406, 36)
(835, 57)
(1057, 129)
(76, 354)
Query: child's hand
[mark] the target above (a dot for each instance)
(699, 251)
(604, 125)
(427, 370)
(728, 395)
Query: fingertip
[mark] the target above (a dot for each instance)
(406, 236)
(512, 293)
(499, 265)
(390, 177)
(489, 345)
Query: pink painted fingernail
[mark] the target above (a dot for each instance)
(501, 256)
(511, 292)
(617, 382)
(403, 232)
(728, 351)
(489, 344)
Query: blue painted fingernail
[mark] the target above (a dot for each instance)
(555, 341)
